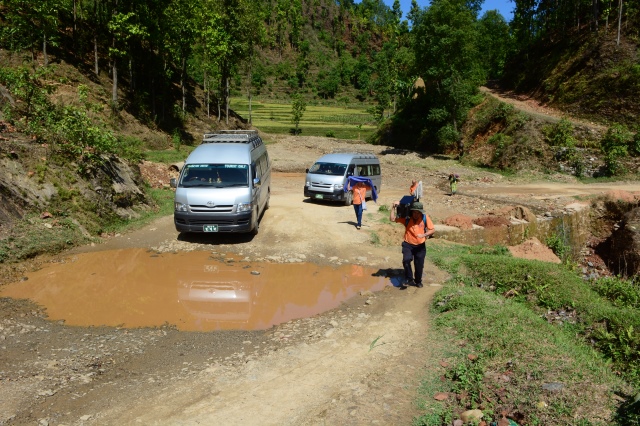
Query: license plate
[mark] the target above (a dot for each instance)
(319, 196)
(210, 228)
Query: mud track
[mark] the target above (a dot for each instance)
(357, 364)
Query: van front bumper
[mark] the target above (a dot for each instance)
(232, 222)
(336, 195)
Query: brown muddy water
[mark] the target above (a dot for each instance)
(194, 291)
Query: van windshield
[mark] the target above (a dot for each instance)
(215, 175)
(331, 169)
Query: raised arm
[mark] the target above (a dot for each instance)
(392, 214)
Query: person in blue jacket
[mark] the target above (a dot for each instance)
(359, 186)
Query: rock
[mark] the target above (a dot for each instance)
(441, 396)
(553, 386)
(471, 416)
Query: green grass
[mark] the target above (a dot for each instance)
(504, 311)
(169, 156)
(163, 199)
(33, 235)
(318, 120)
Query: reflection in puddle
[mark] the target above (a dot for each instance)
(193, 291)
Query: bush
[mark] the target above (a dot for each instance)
(561, 134)
(615, 144)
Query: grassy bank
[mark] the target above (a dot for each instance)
(530, 340)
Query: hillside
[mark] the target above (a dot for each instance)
(586, 75)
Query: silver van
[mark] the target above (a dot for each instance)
(224, 185)
(326, 178)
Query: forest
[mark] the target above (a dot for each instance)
(169, 58)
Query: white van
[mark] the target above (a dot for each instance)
(326, 178)
(224, 185)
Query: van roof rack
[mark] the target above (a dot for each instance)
(233, 136)
(351, 151)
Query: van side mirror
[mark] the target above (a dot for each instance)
(306, 170)
(256, 181)
(173, 182)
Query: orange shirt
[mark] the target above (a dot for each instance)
(413, 228)
(412, 190)
(359, 192)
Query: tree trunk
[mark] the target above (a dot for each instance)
(114, 77)
(183, 76)
(619, 21)
(44, 50)
(114, 90)
(205, 97)
(219, 113)
(250, 82)
(153, 99)
(226, 100)
(74, 22)
(95, 55)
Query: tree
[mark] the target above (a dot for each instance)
(447, 55)
(30, 24)
(122, 28)
(181, 22)
(494, 40)
(298, 107)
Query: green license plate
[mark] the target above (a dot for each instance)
(210, 228)
(319, 196)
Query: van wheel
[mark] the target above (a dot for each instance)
(256, 226)
(348, 199)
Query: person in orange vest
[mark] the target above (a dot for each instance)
(418, 227)
(359, 190)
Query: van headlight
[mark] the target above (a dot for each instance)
(338, 186)
(244, 207)
(180, 207)
(307, 184)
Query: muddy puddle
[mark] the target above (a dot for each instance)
(195, 291)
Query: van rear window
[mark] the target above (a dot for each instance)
(215, 175)
(331, 169)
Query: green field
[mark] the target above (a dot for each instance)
(339, 122)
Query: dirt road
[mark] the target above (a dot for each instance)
(356, 364)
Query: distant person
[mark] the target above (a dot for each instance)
(415, 190)
(453, 182)
(418, 227)
(359, 187)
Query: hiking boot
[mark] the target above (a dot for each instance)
(409, 283)
(419, 285)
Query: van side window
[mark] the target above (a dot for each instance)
(376, 169)
(350, 170)
(364, 170)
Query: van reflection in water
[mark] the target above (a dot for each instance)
(212, 295)
(226, 296)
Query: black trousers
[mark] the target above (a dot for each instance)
(415, 254)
